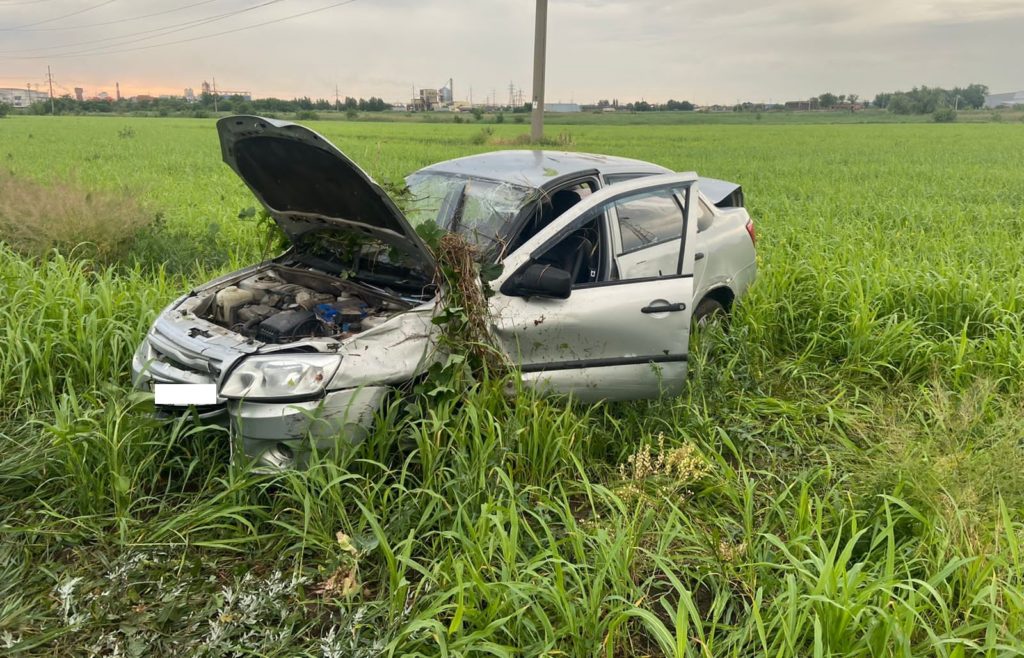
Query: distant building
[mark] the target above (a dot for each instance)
(190, 95)
(221, 93)
(79, 94)
(810, 104)
(562, 107)
(1008, 99)
(21, 97)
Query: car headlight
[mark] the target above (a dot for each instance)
(280, 376)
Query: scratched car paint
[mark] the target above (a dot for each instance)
(606, 264)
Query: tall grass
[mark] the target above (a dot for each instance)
(852, 481)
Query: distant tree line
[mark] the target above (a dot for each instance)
(927, 100)
(671, 105)
(205, 103)
(828, 100)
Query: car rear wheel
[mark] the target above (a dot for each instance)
(708, 311)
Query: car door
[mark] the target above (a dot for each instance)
(619, 334)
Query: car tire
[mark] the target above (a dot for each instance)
(707, 311)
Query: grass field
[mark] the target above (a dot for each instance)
(845, 477)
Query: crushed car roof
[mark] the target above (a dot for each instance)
(537, 168)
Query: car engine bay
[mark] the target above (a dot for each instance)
(282, 305)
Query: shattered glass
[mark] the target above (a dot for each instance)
(480, 210)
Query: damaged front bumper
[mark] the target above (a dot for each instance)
(284, 435)
(270, 435)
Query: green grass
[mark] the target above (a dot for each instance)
(858, 483)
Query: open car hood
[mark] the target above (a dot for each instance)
(307, 185)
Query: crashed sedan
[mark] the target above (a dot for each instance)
(606, 264)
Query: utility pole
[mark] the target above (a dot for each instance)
(540, 38)
(215, 95)
(49, 78)
(337, 101)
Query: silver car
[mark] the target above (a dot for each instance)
(606, 263)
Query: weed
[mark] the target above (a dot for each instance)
(483, 136)
(36, 218)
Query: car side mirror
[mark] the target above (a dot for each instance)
(537, 279)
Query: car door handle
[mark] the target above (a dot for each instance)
(698, 256)
(664, 308)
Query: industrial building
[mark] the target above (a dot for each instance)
(1009, 99)
(21, 97)
(222, 93)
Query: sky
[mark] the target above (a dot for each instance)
(705, 51)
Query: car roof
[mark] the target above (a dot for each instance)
(536, 168)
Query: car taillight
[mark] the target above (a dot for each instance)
(751, 231)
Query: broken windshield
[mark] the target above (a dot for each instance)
(480, 210)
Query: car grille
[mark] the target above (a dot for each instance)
(173, 363)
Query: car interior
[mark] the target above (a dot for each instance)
(580, 253)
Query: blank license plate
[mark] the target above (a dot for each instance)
(184, 395)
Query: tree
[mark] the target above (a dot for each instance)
(827, 100)
(900, 103)
(5, 109)
(853, 98)
(973, 95)
(685, 106)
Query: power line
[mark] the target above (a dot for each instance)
(191, 39)
(63, 16)
(126, 39)
(23, 2)
(113, 22)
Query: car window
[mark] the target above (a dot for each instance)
(650, 227)
(581, 253)
(481, 210)
(612, 179)
(650, 230)
(648, 219)
(549, 207)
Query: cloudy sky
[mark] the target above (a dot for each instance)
(705, 51)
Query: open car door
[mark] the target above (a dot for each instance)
(598, 303)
